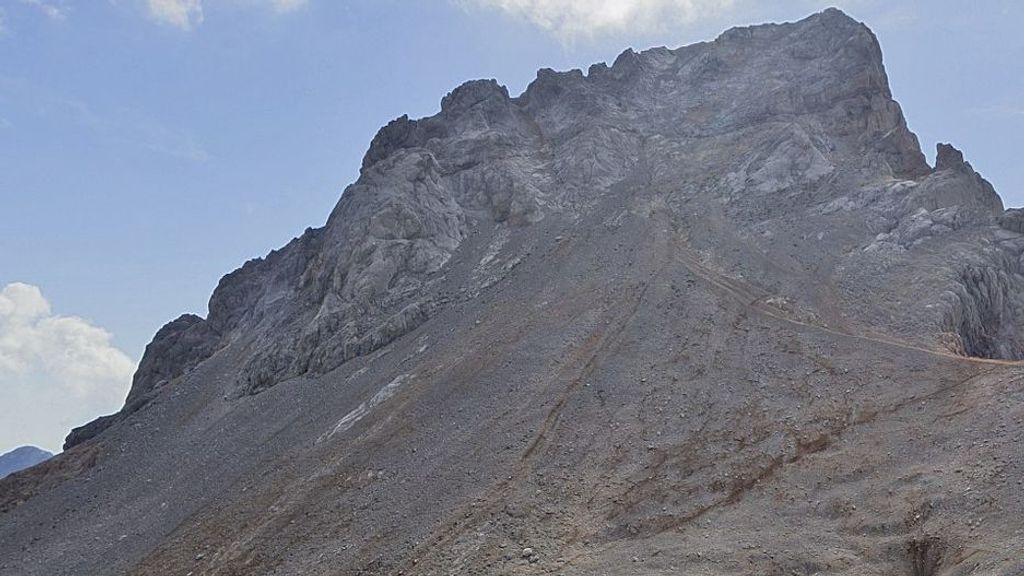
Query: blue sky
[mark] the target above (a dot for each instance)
(147, 147)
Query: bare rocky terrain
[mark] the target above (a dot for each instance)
(702, 311)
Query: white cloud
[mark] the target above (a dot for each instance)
(187, 14)
(56, 371)
(571, 19)
(183, 14)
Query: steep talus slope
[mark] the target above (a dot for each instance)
(705, 310)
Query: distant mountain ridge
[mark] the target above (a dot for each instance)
(22, 458)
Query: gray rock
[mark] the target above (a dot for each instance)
(825, 326)
(949, 158)
(177, 348)
(1013, 219)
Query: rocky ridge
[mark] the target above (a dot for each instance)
(353, 286)
(615, 319)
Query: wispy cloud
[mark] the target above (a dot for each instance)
(55, 371)
(287, 5)
(184, 14)
(124, 127)
(998, 111)
(135, 128)
(573, 19)
(52, 10)
(189, 14)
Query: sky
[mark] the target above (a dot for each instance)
(148, 147)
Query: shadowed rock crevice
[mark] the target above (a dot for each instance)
(926, 555)
(987, 311)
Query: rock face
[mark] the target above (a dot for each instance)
(21, 458)
(177, 348)
(705, 310)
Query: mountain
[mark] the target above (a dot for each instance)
(704, 311)
(21, 458)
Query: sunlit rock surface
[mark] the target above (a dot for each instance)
(702, 311)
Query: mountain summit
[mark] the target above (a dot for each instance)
(705, 310)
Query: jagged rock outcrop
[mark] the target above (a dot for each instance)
(704, 310)
(176, 348)
(951, 197)
(1013, 220)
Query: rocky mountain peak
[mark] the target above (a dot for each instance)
(473, 93)
(706, 298)
(949, 158)
(817, 86)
